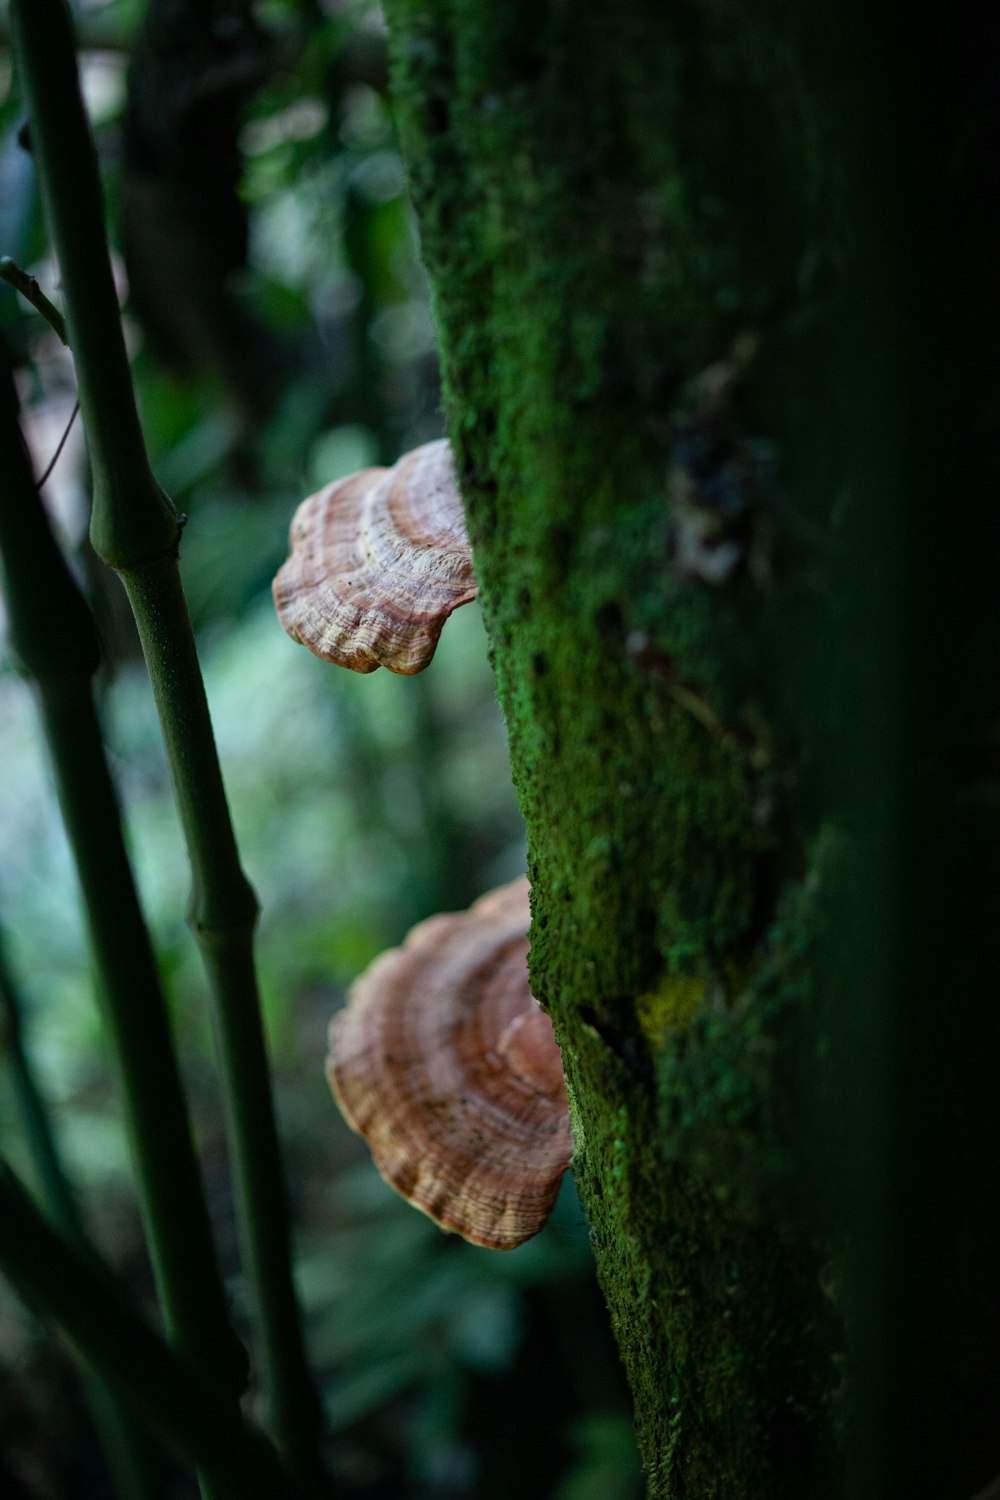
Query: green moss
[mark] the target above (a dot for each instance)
(583, 208)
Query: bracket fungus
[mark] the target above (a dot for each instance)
(378, 562)
(446, 1064)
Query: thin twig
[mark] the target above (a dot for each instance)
(62, 443)
(32, 292)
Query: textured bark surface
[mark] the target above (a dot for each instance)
(670, 348)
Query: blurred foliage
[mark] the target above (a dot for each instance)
(362, 803)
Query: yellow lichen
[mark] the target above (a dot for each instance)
(672, 1006)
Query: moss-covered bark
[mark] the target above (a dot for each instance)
(646, 231)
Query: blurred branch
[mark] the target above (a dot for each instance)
(134, 529)
(38, 1134)
(73, 1290)
(126, 1447)
(184, 221)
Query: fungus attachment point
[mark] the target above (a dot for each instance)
(378, 562)
(448, 1067)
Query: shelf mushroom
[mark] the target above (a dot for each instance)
(449, 1068)
(378, 562)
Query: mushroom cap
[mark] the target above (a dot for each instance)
(449, 1068)
(378, 562)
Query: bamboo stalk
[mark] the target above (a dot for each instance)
(126, 1446)
(53, 636)
(73, 1290)
(134, 529)
(222, 913)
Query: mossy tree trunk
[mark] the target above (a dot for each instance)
(693, 413)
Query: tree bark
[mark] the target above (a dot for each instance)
(671, 252)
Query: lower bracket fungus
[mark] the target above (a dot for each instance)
(378, 562)
(446, 1064)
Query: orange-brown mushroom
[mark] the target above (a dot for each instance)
(378, 562)
(449, 1068)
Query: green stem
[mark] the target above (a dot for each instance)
(134, 529)
(180, 1236)
(53, 636)
(126, 1447)
(222, 913)
(72, 1290)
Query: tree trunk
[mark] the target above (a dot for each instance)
(671, 247)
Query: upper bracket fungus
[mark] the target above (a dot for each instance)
(378, 562)
(449, 1068)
